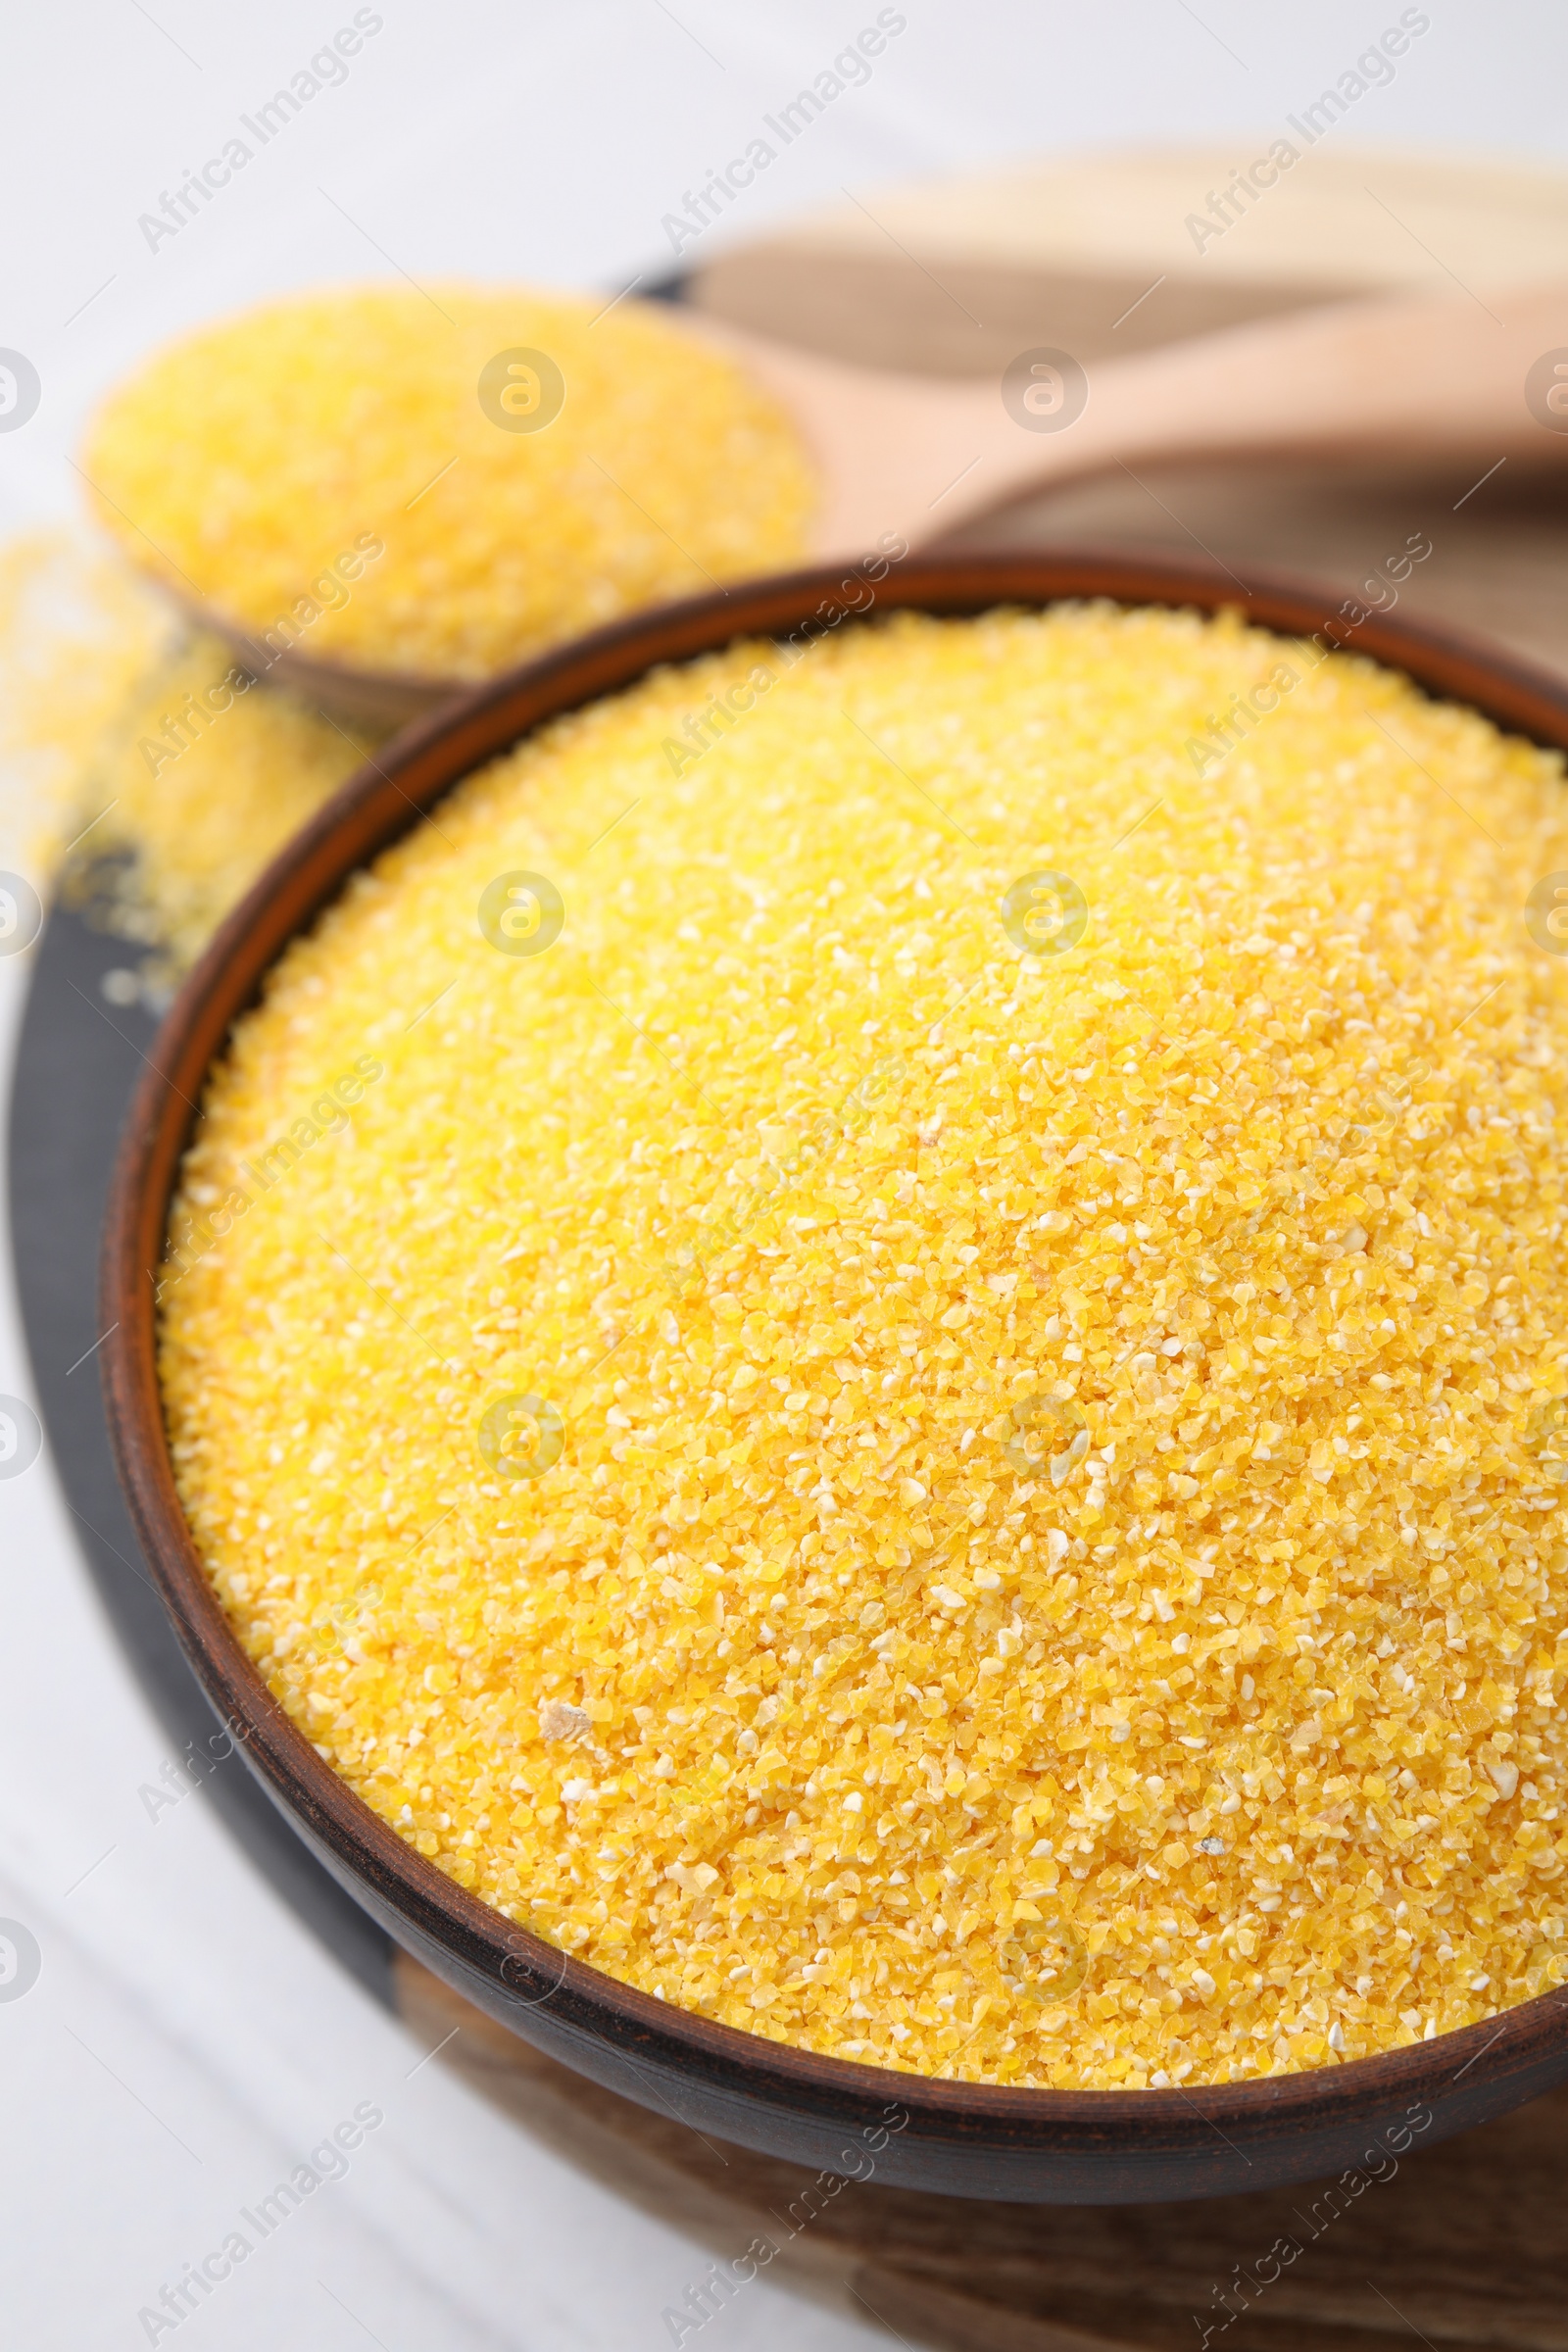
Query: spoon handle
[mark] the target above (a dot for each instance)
(1428, 377)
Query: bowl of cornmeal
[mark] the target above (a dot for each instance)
(840, 1332)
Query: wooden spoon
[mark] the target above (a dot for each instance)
(908, 458)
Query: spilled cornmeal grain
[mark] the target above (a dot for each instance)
(1034, 1551)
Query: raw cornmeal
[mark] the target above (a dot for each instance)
(202, 777)
(1046, 1561)
(305, 426)
(138, 745)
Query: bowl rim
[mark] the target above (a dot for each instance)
(512, 1970)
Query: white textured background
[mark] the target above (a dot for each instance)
(186, 2041)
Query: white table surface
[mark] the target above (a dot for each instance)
(187, 2042)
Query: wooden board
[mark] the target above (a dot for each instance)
(957, 276)
(1463, 2244)
(1498, 566)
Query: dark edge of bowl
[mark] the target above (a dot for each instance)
(1090, 2147)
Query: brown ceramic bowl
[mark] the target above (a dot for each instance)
(1070, 2147)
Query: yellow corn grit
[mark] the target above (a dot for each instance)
(877, 1338)
(79, 633)
(445, 482)
(141, 767)
(202, 776)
